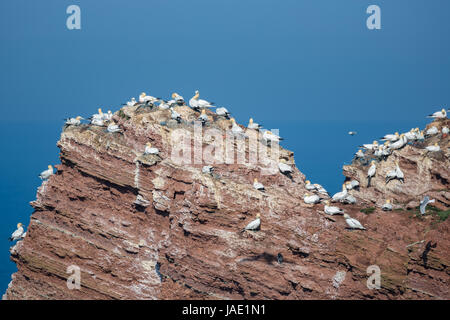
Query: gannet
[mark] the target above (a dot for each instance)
(309, 186)
(223, 112)
(311, 198)
(445, 130)
(98, 115)
(284, 168)
(203, 117)
(354, 184)
(433, 148)
(371, 172)
(352, 133)
(370, 146)
(46, 173)
(175, 115)
(387, 206)
(18, 234)
(331, 210)
(353, 223)
(391, 137)
(163, 105)
(149, 149)
(107, 116)
(253, 125)
(395, 174)
(207, 169)
(143, 98)
(349, 199)
(97, 122)
(73, 121)
(411, 135)
(420, 135)
(340, 195)
(399, 143)
(235, 129)
(258, 185)
(423, 204)
(269, 136)
(359, 154)
(432, 131)
(197, 103)
(131, 103)
(438, 114)
(255, 224)
(321, 189)
(113, 127)
(179, 100)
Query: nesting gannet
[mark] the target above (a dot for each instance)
(269, 136)
(143, 98)
(387, 206)
(371, 172)
(179, 100)
(196, 103)
(432, 131)
(107, 116)
(255, 224)
(284, 167)
(352, 133)
(98, 115)
(223, 112)
(438, 114)
(44, 175)
(321, 189)
(175, 115)
(113, 127)
(164, 105)
(309, 186)
(395, 174)
(353, 223)
(311, 198)
(207, 169)
(131, 103)
(423, 204)
(253, 125)
(331, 210)
(235, 129)
(420, 134)
(18, 234)
(73, 121)
(359, 154)
(98, 122)
(411, 135)
(391, 137)
(349, 199)
(433, 148)
(258, 185)
(370, 146)
(203, 117)
(354, 184)
(340, 195)
(445, 130)
(149, 149)
(400, 143)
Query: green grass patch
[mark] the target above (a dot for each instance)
(122, 115)
(368, 210)
(443, 215)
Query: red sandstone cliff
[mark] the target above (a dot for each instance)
(187, 243)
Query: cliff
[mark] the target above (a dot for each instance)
(184, 240)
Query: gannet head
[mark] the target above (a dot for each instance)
(308, 182)
(359, 150)
(346, 216)
(50, 167)
(197, 94)
(250, 121)
(388, 200)
(396, 134)
(100, 111)
(372, 162)
(148, 144)
(232, 120)
(174, 95)
(282, 160)
(443, 111)
(436, 144)
(327, 201)
(143, 94)
(375, 142)
(203, 111)
(258, 216)
(269, 132)
(19, 225)
(78, 118)
(255, 180)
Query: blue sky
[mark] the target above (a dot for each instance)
(311, 69)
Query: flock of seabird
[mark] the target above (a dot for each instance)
(316, 193)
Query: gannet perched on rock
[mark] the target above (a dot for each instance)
(107, 116)
(445, 130)
(432, 131)
(370, 146)
(235, 129)
(97, 122)
(284, 167)
(149, 149)
(163, 105)
(18, 234)
(223, 112)
(258, 185)
(175, 115)
(438, 114)
(269, 136)
(423, 204)
(207, 169)
(311, 198)
(179, 100)
(349, 199)
(353, 223)
(113, 127)
(400, 143)
(395, 174)
(196, 103)
(331, 210)
(387, 206)
(354, 184)
(253, 125)
(371, 172)
(321, 189)
(340, 195)
(143, 98)
(433, 148)
(203, 117)
(255, 224)
(359, 154)
(44, 175)
(98, 115)
(73, 121)
(411, 135)
(309, 186)
(131, 103)
(391, 137)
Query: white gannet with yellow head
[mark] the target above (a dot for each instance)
(179, 100)
(255, 224)
(433, 148)
(196, 103)
(391, 137)
(331, 210)
(340, 195)
(353, 223)
(18, 234)
(311, 198)
(431, 131)
(203, 116)
(269, 136)
(371, 172)
(113, 127)
(309, 186)
(253, 125)
(149, 149)
(284, 167)
(438, 114)
(387, 206)
(44, 175)
(73, 121)
(258, 185)
(223, 112)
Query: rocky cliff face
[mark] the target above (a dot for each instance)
(183, 239)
